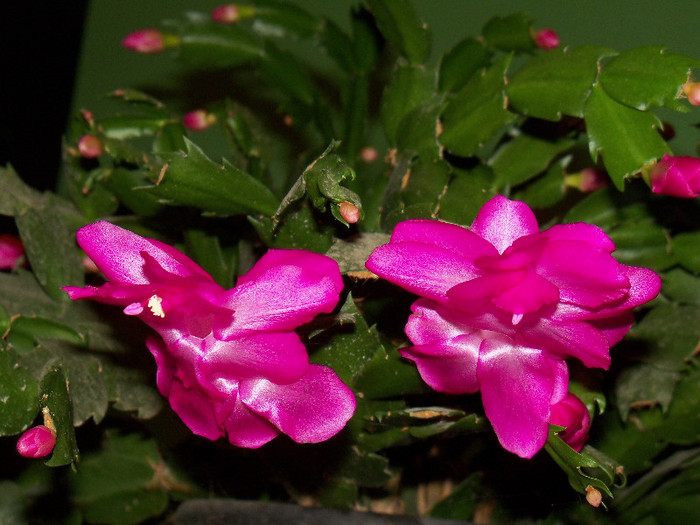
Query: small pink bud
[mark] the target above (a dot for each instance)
(676, 176)
(593, 496)
(90, 146)
(692, 91)
(369, 155)
(149, 41)
(11, 251)
(36, 442)
(232, 13)
(572, 414)
(349, 212)
(198, 120)
(587, 180)
(546, 39)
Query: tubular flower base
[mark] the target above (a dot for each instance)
(229, 361)
(676, 176)
(503, 305)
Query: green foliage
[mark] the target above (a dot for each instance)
(297, 138)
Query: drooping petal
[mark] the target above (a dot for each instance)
(517, 387)
(422, 269)
(310, 410)
(501, 221)
(277, 356)
(450, 237)
(450, 366)
(281, 298)
(195, 409)
(244, 428)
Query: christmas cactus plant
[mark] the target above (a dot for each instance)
(373, 281)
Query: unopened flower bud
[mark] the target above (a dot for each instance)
(593, 496)
(587, 180)
(90, 146)
(198, 120)
(369, 155)
(349, 212)
(232, 13)
(11, 251)
(546, 39)
(149, 41)
(36, 442)
(572, 414)
(676, 176)
(692, 91)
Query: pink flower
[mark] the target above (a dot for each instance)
(198, 120)
(149, 41)
(676, 176)
(503, 305)
(573, 415)
(11, 251)
(90, 146)
(546, 39)
(229, 361)
(36, 442)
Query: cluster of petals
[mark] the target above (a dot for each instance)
(503, 305)
(676, 177)
(229, 361)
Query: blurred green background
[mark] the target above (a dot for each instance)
(100, 64)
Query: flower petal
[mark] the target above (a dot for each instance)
(451, 237)
(501, 221)
(517, 388)
(245, 428)
(277, 356)
(281, 297)
(311, 410)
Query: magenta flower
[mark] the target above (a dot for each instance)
(229, 361)
(150, 41)
(36, 442)
(573, 415)
(11, 251)
(676, 176)
(546, 39)
(198, 120)
(503, 305)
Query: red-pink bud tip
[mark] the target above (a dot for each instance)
(588, 179)
(546, 39)
(198, 120)
(692, 91)
(90, 146)
(145, 41)
(36, 442)
(349, 212)
(226, 14)
(369, 154)
(11, 251)
(593, 496)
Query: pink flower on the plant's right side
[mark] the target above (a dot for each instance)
(229, 361)
(503, 305)
(676, 176)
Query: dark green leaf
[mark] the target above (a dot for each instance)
(467, 192)
(509, 33)
(338, 45)
(388, 375)
(122, 127)
(398, 21)
(170, 137)
(647, 77)
(524, 157)
(19, 393)
(681, 286)
(628, 139)
(55, 399)
(15, 194)
(212, 45)
(410, 87)
(124, 483)
(477, 113)
(284, 71)
(546, 190)
(191, 179)
(684, 248)
(206, 250)
(461, 62)
(128, 185)
(300, 228)
(352, 254)
(462, 501)
(282, 19)
(556, 83)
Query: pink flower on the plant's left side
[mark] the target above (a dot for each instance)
(573, 415)
(36, 442)
(503, 305)
(11, 251)
(229, 361)
(676, 176)
(546, 39)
